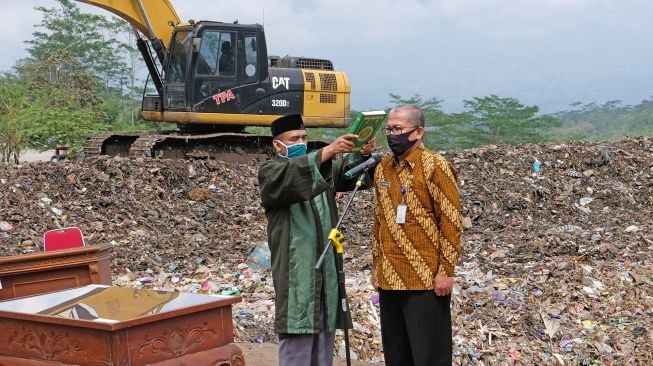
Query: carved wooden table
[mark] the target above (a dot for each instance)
(104, 325)
(36, 273)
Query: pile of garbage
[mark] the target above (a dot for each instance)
(557, 264)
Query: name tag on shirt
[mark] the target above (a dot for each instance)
(401, 213)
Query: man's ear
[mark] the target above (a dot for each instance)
(420, 133)
(277, 146)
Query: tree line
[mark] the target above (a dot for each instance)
(497, 120)
(81, 77)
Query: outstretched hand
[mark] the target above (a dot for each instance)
(342, 144)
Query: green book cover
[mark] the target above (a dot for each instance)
(366, 125)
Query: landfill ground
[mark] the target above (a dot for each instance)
(557, 263)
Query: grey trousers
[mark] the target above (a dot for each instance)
(307, 349)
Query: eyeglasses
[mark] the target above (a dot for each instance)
(397, 130)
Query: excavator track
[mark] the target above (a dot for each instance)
(109, 144)
(93, 144)
(237, 147)
(225, 146)
(143, 146)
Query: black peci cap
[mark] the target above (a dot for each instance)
(290, 122)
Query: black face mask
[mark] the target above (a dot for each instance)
(399, 144)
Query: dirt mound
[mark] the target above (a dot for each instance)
(556, 269)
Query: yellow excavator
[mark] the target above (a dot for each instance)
(213, 79)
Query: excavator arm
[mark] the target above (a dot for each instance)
(155, 19)
(150, 17)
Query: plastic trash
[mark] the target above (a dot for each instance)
(375, 298)
(260, 258)
(537, 166)
(171, 268)
(146, 279)
(6, 226)
(233, 291)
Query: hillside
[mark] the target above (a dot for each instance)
(556, 268)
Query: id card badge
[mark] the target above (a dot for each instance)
(401, 213)
(401, 209)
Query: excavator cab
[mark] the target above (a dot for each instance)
(220, 74)
(217, 68)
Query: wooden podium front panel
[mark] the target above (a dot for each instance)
(103, 325)
(178, 337)
(46, 344)
(36, 273)
(171, 339)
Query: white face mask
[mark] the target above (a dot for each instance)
(294, 150)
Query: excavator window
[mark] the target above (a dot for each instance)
(217, 56)
(251, 58)
(179, 57)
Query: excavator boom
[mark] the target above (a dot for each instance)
(150, 17)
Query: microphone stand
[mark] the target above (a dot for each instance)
(338, 240)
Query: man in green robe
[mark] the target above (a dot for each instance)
(298, 194)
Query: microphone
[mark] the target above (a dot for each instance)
(372, 161)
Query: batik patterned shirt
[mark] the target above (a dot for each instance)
(407, 256)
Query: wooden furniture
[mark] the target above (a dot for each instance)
(66, 238)
(36, 273)
(104, 325)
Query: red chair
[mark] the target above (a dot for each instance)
(70, 237)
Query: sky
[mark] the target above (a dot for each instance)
(548, 53)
